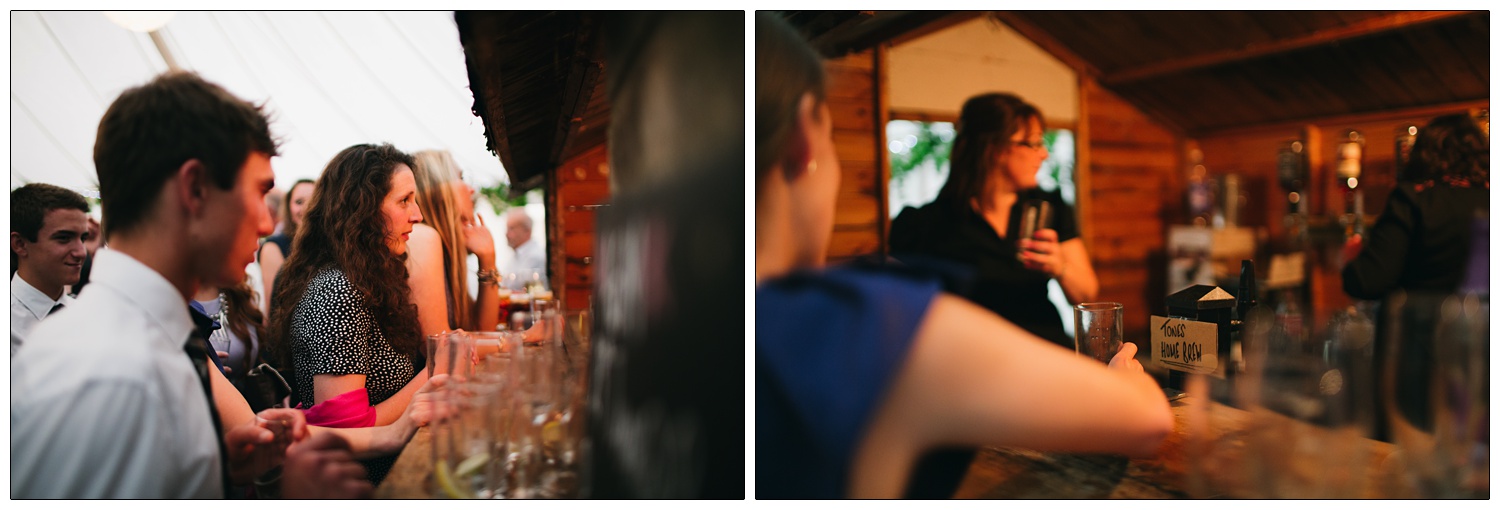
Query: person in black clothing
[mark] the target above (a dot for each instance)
(1420, 245)
(969, 229)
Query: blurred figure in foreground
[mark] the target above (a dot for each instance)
(859, 371)
(667, 383)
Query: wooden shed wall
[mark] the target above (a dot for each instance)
(1130, 188)
(582, 183)
(1252, 153)
(855, 101)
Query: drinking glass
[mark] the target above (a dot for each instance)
(1036, 214)
(494, 382)
(1310, 405)
(534, 421)
(451, 353)
(1436, 394)
(1098, 329)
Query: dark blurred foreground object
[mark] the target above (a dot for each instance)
(666, 406)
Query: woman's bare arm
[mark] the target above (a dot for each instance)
(972, 378)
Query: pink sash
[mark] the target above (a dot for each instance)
(347, 411)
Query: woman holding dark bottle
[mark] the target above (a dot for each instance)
(975, 225)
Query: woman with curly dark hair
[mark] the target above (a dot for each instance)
(1421, 241)
(342, 317)
(1420, 245)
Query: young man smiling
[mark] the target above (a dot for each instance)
(48, 230)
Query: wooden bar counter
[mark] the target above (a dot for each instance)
(1176, 471)
(410, 477)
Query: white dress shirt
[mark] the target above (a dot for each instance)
(529, 258)
(28, 307)
(104, 401)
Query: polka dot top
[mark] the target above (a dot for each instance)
(332, 332)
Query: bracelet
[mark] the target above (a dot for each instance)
(489, 276)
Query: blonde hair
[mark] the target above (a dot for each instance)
(435, 173)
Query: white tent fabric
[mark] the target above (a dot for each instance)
(330, 79)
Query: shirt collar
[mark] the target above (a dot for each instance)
(34, 300)
(146, 289)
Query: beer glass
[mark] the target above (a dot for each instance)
(1098, 330)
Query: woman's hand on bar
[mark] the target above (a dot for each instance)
(1125, 359)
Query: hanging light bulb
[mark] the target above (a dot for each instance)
(140, 21)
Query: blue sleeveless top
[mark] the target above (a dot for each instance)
(827, 346)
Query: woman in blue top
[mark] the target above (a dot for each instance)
(859, 372)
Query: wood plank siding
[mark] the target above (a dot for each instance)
(582, 183)
(858, 110)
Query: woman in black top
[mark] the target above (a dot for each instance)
(969, 227)
(278, 247)
(1421, 245)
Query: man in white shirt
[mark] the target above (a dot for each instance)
(530, 258)
(110, 398)
(48, 230)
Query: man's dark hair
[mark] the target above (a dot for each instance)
(151, 130)
(30, 204)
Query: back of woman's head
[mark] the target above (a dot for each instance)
(1452, 150)
(985, 125)
(786, 68)
(435, 173)
(344, 228)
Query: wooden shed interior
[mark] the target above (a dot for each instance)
(1161, 92)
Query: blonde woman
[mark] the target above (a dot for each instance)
(437, 259)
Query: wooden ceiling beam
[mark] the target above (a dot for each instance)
(935, 26)
(1047, 42)
(1372, 26)
(871, 28)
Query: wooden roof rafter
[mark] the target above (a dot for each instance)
(1386, 23)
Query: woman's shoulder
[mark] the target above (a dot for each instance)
(425, 242)
(329, 279)
(853, 289)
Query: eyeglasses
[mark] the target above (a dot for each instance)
(1039, 144)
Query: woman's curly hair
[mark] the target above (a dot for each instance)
(1453, 151)
(343, 228)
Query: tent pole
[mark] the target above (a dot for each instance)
(161, 46)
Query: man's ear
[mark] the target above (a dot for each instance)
(799, 147)
(17, 244)
(191, 184)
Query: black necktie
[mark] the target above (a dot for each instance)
(54, 309)
(197, 351)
